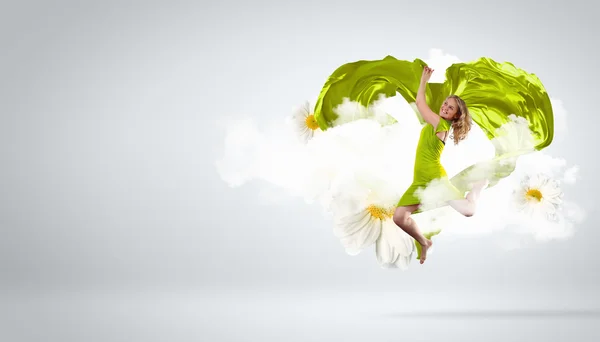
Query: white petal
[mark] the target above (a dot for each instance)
(306, 134)
(394, 248)
(358, 231)
(349, 224)
(551, 191)
(302, 112)
(556, 200)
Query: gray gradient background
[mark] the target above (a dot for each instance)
(117, 227)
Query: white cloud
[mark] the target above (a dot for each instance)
(439, 62)
(570, 175)
(269, 152)
(560, 119)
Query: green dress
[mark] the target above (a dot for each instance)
(428, 166)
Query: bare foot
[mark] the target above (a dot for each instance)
(424, 248)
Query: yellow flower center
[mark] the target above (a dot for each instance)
(379, 212)
(311, 123)
(533, 194)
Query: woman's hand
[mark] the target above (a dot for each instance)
(427, 71)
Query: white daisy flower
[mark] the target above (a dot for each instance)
(374, 225)
(539, 195)
(305, 123)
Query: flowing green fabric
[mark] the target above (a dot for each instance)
(364, 81)
(492, 91)
(495, 90)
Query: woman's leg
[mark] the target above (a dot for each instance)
(403, 220)
(468, 205)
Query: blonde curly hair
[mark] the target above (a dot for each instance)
(462, 122)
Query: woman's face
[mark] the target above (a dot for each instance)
(449, 109)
